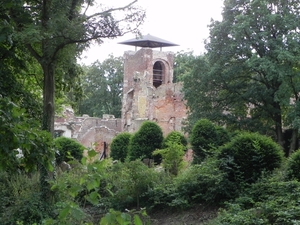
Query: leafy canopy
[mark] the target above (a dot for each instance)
(102, 85)
(250, 72)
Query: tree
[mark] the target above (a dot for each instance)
(183, 64)
(102, 86)
(55, 32)
(250, 73)
(204, 138)
(147, 139)
(119, 146)
(172, 155)
(175, 137)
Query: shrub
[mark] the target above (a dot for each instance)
(119, 146)
(172, 156)
(293, 166)
(128, 182)
(265, 202)
(223, 136)
(248, 155)
(148, 138)
(203, 183)
(203, 138)
(67, 149)
(22, 202)
(177, 137)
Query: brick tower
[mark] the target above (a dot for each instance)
(148, 90)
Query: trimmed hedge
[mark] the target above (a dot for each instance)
(204, 138)
(248, 155)
(293, 166)
(148, 138)
(119, 146)
(67, 149)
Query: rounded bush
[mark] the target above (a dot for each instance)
(173, 137)
(203, 138)
(148, 138)
(223, 135)
(203, 182)
(247, 155)
(119, 146)
(129, 181)
(293, 166)
(67, 148)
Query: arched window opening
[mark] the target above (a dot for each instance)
(158, 74)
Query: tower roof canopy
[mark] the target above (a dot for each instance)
(148, 41)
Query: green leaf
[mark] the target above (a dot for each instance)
(93, 197)
(64, 212)
(137, 220)
(93, 184)
(83, 160)
(92, 153)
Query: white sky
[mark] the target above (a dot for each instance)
(181, 22)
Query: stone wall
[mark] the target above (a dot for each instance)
(91, 132)
(142, 101)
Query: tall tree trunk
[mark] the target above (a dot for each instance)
(277, 118)
(47, 124)
(48, 97)
(294, 139)
(279, 135)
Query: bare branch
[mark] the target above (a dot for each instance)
(87, 7)
(111, 10)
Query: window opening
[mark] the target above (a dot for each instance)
(158, 74)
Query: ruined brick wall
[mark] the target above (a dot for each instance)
(142, 100)
(91, 132)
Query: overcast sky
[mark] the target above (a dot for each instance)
(181, 22)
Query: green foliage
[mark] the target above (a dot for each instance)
(175, 136)
(129, 181)
(223, 135)
(203, 138)
(78, 189)
(172, 156)
(250, 71)
(130, 218)
(293, 166)
(163, 194)
(19, 132)
(20, 199)
(119, 146)
(68, 149)
(203, 183)
(248, 155)
(182, 65)
(102, 86)
(148, 138)
(265, 202)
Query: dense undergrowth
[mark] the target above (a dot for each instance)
(247, 178)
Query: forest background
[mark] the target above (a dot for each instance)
(247, 81)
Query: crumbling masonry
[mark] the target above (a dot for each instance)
(148, 94)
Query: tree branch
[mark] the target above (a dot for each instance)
(34, 53)
(111, 10)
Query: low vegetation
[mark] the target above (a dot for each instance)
(247, 178)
